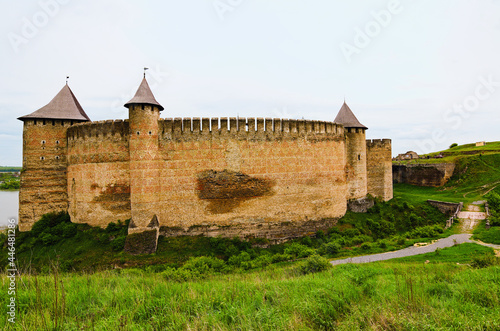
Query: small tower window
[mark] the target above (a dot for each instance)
(43, 123)
(57, 157)
(138, 133)
(42, 158)
(359, 157)
(57, 142)
(53, 123)
(142, 107)
(34, 122)
(150, 133)
(43, 142)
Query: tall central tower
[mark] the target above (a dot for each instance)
(144, 112)
(355, 146)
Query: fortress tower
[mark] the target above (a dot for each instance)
(43, 178)
(145, 186)
(355, 146)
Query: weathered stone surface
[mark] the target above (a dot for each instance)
(379, 168)
(360, 205)
(423, 174)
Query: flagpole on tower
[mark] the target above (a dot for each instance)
(145, 71)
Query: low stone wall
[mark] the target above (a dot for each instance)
(449, 208)
(421, 174)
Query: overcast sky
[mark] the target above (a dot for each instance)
(424, 73)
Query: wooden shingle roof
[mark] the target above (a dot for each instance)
(64, 106)
(347, 119)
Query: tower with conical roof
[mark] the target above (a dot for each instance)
(355, 147)
(145, 189)
(43, 179)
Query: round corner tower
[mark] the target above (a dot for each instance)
(355, 151)
(144, 113)
(43, 178)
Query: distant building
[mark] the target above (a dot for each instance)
(410, 155)
(480, 143)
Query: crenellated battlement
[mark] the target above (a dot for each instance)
(99, 129)
(378, 143)
(250, 128)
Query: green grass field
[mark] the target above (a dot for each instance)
(397, 295)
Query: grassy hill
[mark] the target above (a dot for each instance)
(477, 172)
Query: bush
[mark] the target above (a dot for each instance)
(483, 261)
(493, 200)
(204, 265)
(330, 248)
(453, 145)
(118, 243)
(298, 251)
(366, 246)
(314, 263)
(307, 241)
(280, 258)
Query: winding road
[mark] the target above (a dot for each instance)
(468, 220)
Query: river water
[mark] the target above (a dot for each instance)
(9, 206)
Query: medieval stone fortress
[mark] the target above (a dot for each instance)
(272, 178)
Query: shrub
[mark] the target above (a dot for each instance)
(307, 241)
(314, 263)
(366, 246)
(483, 261)
(453, 145)
(237, 260)
(280, 257)
(118, 243)
(112, 227)
(330, 248)
(351, 233)
(297, 250)
(204, 265)
(493, 200)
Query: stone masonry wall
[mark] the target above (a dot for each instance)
(422, 174)
(355, 163)
(255, 175)
(43, 179)
(379, 168)
(98, 172)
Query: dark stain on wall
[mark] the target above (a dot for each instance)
(227, 189)
(114, 197)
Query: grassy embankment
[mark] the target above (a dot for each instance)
(397, 295)
(475, 175)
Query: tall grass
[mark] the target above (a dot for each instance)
(390, 295)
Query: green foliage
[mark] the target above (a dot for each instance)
(484, 261)
(491, 235)
(118, 243)
(297, 250)
(314, 263)
(453, 145)
(330, 248)
(10, 184)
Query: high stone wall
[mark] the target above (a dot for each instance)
(379, 168)
(43, 179)
(98, 172)
(268, 170)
